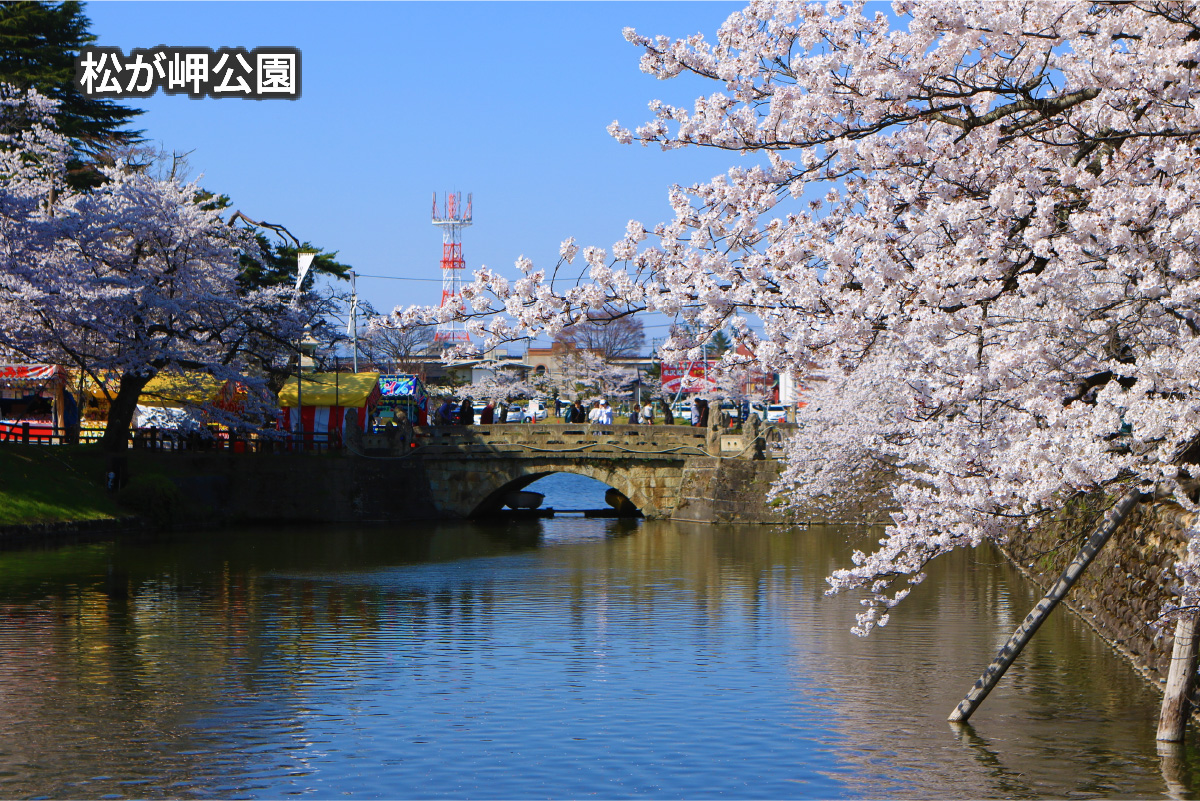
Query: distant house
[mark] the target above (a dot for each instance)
(474, 371)
(548, 361)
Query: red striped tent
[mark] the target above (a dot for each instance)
(323, 398)
(23, 380)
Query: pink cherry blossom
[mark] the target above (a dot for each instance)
(979, 227)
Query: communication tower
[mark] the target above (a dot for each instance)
(453, 218)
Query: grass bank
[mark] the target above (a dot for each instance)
(43, 484)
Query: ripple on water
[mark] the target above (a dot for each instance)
(560, 658)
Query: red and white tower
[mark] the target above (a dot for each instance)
(453, 218)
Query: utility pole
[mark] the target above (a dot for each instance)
(354, 318)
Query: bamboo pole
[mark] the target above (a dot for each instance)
(1038, 615)
(1172, 719)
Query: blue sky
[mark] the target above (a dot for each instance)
(506, 100)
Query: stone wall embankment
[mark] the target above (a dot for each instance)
(717, 490)
(302, 488)
(66, 532)
(1123, 590)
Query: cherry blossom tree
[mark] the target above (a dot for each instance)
(584, 373)
(990, 209)
(504, 384)
(129, 279)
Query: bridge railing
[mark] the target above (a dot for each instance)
(643, 440)
(653, 440)
(563, 438)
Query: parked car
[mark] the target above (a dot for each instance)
(540, 411)
(518, 412)
(776, 413)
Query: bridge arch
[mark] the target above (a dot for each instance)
(469, 468)
(491, 495)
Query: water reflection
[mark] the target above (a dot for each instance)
(546, 658)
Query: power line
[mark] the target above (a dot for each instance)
(398, 278)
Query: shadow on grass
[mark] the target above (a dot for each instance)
(45, 484)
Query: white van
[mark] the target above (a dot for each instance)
(518, 412)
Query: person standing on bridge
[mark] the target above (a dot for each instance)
(488, 414)
(648, 414)
(466, 413)
(442, 416)
(606, 414)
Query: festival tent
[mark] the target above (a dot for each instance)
(19, 382)
(192, 389)
(405, 392)
(323, 398)
(171, 400)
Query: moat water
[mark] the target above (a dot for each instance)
(560, 658)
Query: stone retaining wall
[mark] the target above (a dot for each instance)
(66, 531)
(1123, 590)
(337, 488)
(316, 488)
(729, 491)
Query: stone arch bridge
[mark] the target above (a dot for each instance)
(676, 472)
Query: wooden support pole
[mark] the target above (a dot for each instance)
(1174, 767)
(1035, 618)
(1172, 719)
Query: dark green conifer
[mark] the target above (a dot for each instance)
(38, 45)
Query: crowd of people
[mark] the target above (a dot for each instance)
(453, 412)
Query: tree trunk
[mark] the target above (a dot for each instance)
(1035, 618)
(1172, 719)
(120, 413)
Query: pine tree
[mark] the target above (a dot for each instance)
(720, 343)
(38, 45)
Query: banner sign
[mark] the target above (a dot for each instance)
(691, 377)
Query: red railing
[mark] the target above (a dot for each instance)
(152, 438)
